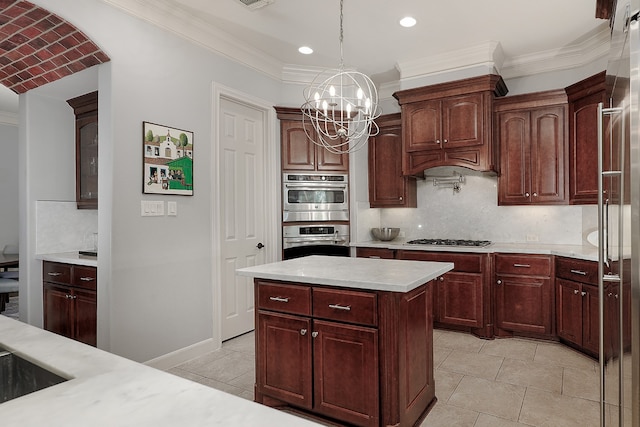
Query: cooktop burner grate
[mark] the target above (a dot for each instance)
(449, 242)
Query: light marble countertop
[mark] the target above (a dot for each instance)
(357, 273)
(585, 252)
(70, 258)
(109, 390)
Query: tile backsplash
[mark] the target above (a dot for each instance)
(473, 213)
(62, 227)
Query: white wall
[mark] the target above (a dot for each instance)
(157, 296)
(8, 185)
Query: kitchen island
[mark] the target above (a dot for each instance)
(107, 390)
(349, 339)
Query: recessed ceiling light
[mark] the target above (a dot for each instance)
(407, 22)
(306, 50)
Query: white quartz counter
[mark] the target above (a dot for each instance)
(70, 258)
(585, 252)
(358, 273)
(108, 390)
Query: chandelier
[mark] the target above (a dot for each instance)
(341, 108)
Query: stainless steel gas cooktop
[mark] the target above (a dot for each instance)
(449, 242)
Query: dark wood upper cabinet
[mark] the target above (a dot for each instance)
(583, 98)
(449, 124)
(300, 154)
(531, 135)
(388, 187)
(85, 108)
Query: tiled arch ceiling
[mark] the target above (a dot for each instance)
(38, 47)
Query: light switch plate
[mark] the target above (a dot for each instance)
(151, 208)
(172, 208)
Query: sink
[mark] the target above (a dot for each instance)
(19, 376)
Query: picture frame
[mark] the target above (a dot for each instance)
(167, 160)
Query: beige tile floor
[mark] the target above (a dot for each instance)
(479, 383)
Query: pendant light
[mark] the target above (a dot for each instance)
(341, 108)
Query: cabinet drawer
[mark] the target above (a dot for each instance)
(382, 253)
(524, 265)
(284, 298)
(84, 277)
(467, 263)
(577, 270)
(345, 306)
(56, 273)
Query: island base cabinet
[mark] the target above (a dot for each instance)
(284, 358)
(345, 365)
(346, 372)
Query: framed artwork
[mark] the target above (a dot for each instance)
(167, 160)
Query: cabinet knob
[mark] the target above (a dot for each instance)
(400, 198)
(441, 279)
(499, 282)
(437, 141)
(575, 291)
(583, 293)
(303, 332)
(526, 194)
(535, 194)
(445, 141)
(314, 334)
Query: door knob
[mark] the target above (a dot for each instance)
(260, 245)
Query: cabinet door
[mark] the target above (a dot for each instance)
(298, 153)
(85, 316)
(422, 122)
(590, 317)
(548, 173)
(346, 372)
(523, 304)
(57, 310)
(387, 186)
(284, 358)
(329, 161)
(569, 303)
(460, 301)
(462, 121)
(514, 183)
(583, 149)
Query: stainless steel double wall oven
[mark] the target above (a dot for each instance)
(315, 214)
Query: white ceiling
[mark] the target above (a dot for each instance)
(516, 36)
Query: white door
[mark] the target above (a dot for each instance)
(242, 221)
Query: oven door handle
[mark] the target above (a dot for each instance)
(328, 239)
(312, 187)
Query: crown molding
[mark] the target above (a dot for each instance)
(8, 118)
(487, 54)
(185, 25)
(588, 51)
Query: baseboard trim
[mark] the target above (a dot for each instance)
(169, 360)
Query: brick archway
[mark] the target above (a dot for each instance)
(38, 47)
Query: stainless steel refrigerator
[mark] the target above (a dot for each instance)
(619, 224)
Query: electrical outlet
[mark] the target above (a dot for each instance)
(532, 237)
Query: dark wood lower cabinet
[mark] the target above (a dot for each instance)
(524, 297)
(70, 301)
(370, 365)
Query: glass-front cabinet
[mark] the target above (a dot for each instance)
(85, 108)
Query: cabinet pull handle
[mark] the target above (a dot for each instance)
(87, 279)
(71, 296)
(575, 291)
(340, 307)
(279, 299)
(303, 332)
(580, 272)
(522, 265)
(54, 273)
(314, 334)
